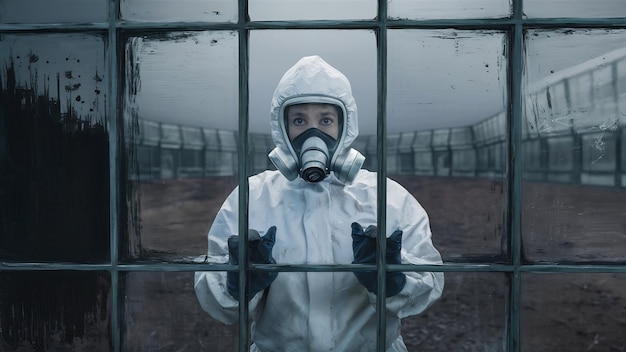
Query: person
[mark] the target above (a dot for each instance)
(319, 207)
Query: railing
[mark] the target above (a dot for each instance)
(589, 157)
(574, 133)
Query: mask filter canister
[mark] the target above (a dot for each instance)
(312, 147)
(314, 160)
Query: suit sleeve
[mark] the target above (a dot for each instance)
(210, 286)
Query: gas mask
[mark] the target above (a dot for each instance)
(314, 149)
(314, 154)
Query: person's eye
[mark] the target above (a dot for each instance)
(327, 121)
(298, 121)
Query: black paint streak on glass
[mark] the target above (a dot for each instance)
(54, 207)
(37, 308)
(55, 180)
(130, 248)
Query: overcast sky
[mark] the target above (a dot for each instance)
(436, 79)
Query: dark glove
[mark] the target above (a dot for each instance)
(259, 252)
(364, 247)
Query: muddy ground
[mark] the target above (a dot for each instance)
(559, 312)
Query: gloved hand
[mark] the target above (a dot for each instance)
(364, 247)
(259, 252)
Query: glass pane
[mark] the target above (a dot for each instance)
(351, 52)
(447, 137)
(438, 9)
(313, 216)
(53, 11)
(573, 192)
(54, 167)
(323, 311)
(181, 120)
(54, 311)
(181, 10)
(573, 312)
(471, 316)
(161, 313)
(268, 10)
(574, 8)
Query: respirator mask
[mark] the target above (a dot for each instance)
(314, 154)
(314, 149)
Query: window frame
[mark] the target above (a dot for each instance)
(515, 26)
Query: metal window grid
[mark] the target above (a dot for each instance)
(515, 26)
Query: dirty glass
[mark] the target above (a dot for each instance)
(351, 52)
(574, 8)
(53, 11)
(438, 9)
(178, 11)
(54, 311)
(180, 127)
(54, 168)
(272, 10)
(573, 312)
(446, 141)
(169, 299)
(573, 194)
(470, 316)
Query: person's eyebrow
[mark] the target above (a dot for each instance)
(294, 113)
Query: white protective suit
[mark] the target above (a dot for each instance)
(320, 311)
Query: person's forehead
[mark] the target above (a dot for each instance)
(307, 107)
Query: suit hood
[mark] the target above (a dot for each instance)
(313, 80)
